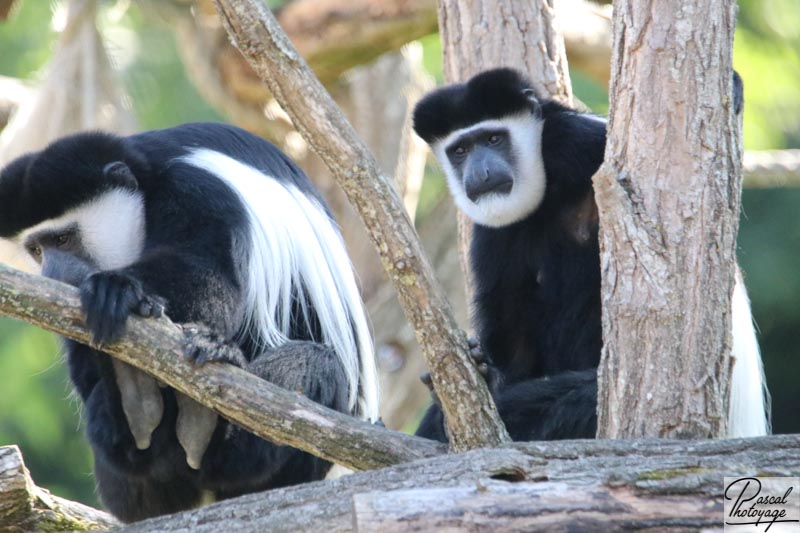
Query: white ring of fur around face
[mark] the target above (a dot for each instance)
(527, 192)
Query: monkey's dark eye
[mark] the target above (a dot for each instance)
(495, 139)
(460, 150)
(63, 239)
(35, 251)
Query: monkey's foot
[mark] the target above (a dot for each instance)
(109, 297)
(203, 346)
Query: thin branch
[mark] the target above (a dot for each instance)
(472, 418)
(275, 414)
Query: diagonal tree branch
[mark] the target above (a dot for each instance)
(275, 414)
(471, 416)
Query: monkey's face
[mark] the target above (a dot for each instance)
(105, 233)
(494, 168)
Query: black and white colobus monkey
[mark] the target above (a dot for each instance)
(215, 227)
(520, 167)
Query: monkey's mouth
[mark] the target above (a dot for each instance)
(476, 189)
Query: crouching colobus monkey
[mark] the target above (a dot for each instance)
(214, 227)
(520, 167)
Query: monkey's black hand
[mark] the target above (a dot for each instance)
(483, 363)
(487, 369)
(203, 346)
(108, 297)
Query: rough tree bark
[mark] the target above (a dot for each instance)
(26, 507)
(471, 416)
(485, 34)
(668, 195)
(275, 414)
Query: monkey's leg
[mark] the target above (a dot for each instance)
(238, 462)
(551, 408)
(563, 406)
(132, 498)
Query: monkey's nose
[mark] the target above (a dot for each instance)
(484, 182)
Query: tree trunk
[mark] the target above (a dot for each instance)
(484, 34)
(588, 485)
(668, 196)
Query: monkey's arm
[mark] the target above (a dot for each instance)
(192, 289)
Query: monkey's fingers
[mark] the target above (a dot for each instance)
(106, 301)
(202, 346)
(475, 351)
(426, 380)
(151, 307)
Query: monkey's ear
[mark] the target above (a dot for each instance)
(120, 174)
(530, 94)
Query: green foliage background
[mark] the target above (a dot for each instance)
(38, 411)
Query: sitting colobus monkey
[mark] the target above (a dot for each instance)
(521, 167)
(215, 227)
